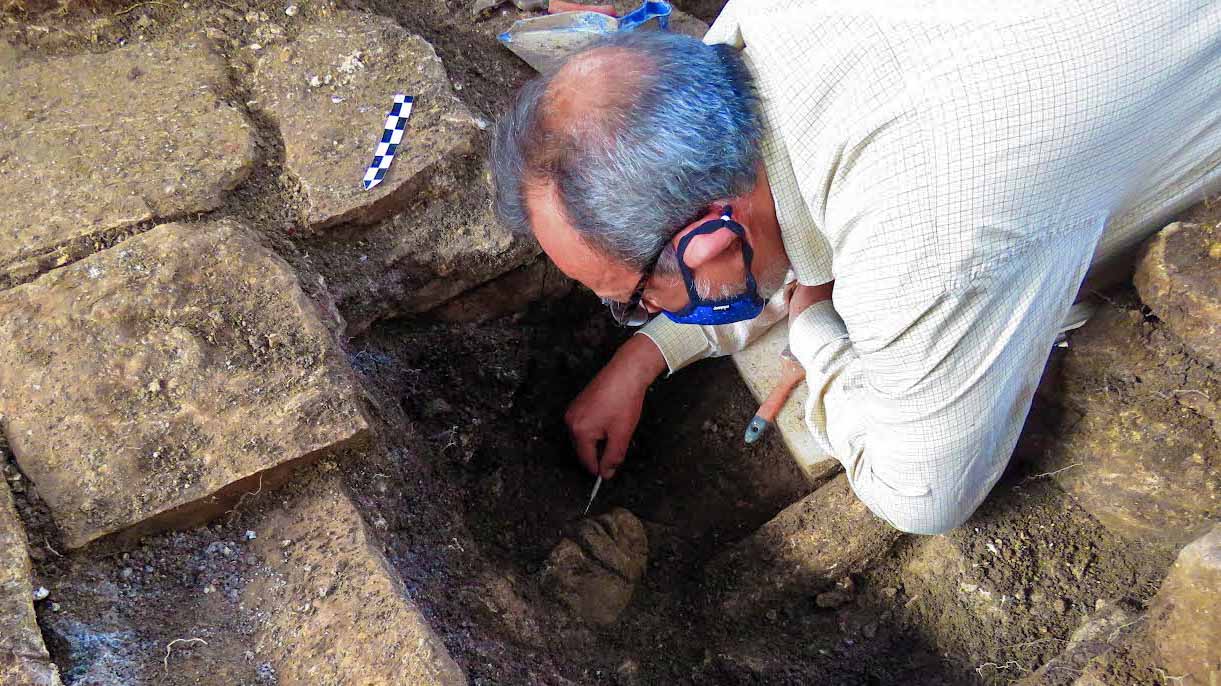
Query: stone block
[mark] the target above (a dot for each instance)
(596, 575)
(442, 246)
(1138, 445)
(808, 546)
(508, 294)
(93, 144)
(1179, 278)
(23, 656)
(760, 367)
(329, 90)
(329, 608)
(155, 381)
(1185, 618)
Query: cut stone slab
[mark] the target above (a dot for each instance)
(596, 575)
(808, 546)
(154, 382)
(93, 144)
(1185, 618)
(759, 365)
(1179, 278)
(23, 655)
(1138, 446)
(508, 294)
(330, 608)
(444, 245)
(329, 91)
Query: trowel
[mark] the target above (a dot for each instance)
(544, 42)
(791, 374)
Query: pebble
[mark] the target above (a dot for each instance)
(250, 535)
(832, 599)
(291, 10)
(41, 593)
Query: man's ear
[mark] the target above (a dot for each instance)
(705, 247)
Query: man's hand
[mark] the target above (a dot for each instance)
(804, 296)
(607, 411)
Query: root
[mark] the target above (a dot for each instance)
(139, 5)
(47, 543)
(1032, 477)
(1115, 634)
(1166, 678)
(1027, 644)
(1177, 391)
(169, 647)
(234, 512)
(1003, 667)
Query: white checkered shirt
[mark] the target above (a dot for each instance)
(956, 168)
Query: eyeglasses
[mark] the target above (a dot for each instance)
(633, 312)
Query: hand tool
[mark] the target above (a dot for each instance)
(597, 485)
(791, 374)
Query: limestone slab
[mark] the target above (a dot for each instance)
(23, 655)
(91, 144)
(1185, 622)
(329, 90)
(158, 379)
(804, 549)
(1179, 278)
(1138, 445)
(443, 245)
(508, 294)
(330, 609)
(759, 365)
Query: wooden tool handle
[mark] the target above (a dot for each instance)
(792, 375)
(557, 6)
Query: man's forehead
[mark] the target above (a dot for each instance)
(570, 253)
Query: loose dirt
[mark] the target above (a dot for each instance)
(469, 481)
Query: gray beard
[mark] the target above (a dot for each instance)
(768, 283)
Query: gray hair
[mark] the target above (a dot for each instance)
(683, 131)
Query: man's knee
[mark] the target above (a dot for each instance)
(925, 525)
(928, 514)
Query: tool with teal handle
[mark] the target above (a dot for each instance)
(791, 375)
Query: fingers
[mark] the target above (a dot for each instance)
(587, 450)
(615, 452)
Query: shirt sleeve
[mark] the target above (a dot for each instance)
(923, 402)
(682, 344)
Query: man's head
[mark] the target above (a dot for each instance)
(628, 144)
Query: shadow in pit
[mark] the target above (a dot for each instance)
(485, 405)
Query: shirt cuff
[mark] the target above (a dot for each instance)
(680, 344)
(813, 329)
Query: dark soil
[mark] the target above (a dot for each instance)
(470, 481)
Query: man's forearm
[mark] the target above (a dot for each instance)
(641, 358)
